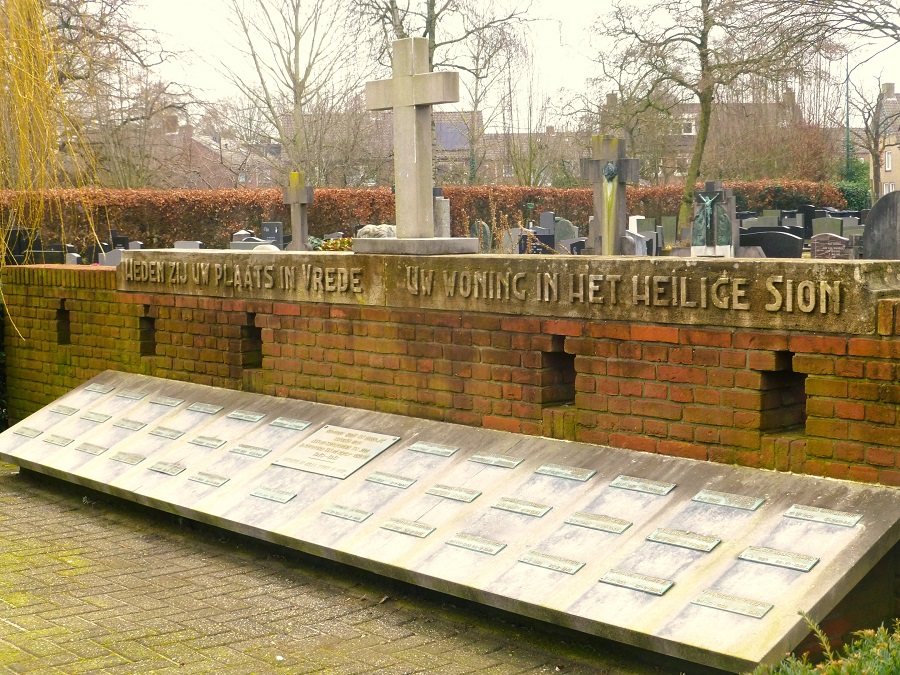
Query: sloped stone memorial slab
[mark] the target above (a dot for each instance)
(696, 560)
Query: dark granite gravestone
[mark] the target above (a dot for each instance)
(830, 247)
(91, 254)
(881, 238)
(540, 244)
(274, 232)
(774, 244)
(697, 560)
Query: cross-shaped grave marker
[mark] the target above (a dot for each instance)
(607, 169)
(411, 92)
(298, 195)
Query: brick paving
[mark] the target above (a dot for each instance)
(91, 585)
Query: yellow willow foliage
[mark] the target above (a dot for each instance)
(35, 134)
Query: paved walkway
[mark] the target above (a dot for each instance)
(92, 585)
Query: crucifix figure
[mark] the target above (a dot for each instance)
(298, 195)
(411, 92)
(608, 171)
(712, 231)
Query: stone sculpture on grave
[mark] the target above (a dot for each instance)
(410, 93)
(713, 232)
(608, 171)
(299, 196)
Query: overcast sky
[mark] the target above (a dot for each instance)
(560, 35)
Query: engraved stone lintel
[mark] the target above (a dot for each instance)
(98, 388)
(637, 582)
(569, 472)
(91, 449)
(682, 539)
(273, 495)
(732, 603)
(653, 487)
(456, 493)
(165, 432)
(532, 509)
(131, 425)
(127, 458)
(64, 410)
(288, 423)
(504, 461)
(346, 512)
(209, 479)
(250, 450)
(787, 559)
(595, 521)
(432, 449)
(95, 417)
(61, 441)
(727, 499)
(205, 408)
(167, 401)
(552, 562)
(167, 468)
(410, 527)
(476, 543)
(826, 516)
(207, 442)
(391, 479)
(246, 415)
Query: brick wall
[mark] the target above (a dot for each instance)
(824, 405)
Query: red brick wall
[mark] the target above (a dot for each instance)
(818, 404)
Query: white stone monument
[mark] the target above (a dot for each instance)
(411, 92)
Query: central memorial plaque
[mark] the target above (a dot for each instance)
(335, 451)
(591, 538)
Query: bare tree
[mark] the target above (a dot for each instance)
(880, 117)
(448, 25)
(867, 18)
(302, 67)
(700, 46)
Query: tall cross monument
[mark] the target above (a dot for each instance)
(411, 92)
(299, 196)
(608, 170)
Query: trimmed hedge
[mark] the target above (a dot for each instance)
(160, 217)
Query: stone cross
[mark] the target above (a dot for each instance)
(713, 233)
(411, 92)
(608, 171)
(298, 195)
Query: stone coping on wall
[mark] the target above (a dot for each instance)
(819, 296)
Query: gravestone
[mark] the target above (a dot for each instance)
(479, 230)
(273, 232)
(299, 195)
(696, 560)
(653, 243)
(118, 241)
(881, 239)
(509, 240)
(827, 225)
(249, 244)
(808, 211)
(110, 258)
(774, 244)
(537, 242)
(635, 223)
(830, 246)
(194, 245)
(633, 243)
(383, 231)
(547, 220)
(240, 235)
(333, 235)
(670, 230)
(91, 254)
(135, 245)
(441, 217)
(571, 246)
(565, 230)
(73, 259)
(608, 171)
(714, 232)
(410, 93)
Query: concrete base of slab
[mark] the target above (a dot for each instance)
(432, 246)
(693, 560)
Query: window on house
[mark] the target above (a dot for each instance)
(887, 161)
(885, 188)
(892, 187)
(687, 128)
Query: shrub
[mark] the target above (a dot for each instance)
(158, 218)
(874, 652)
(856, 194)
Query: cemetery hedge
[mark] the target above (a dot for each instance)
(160, 217)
